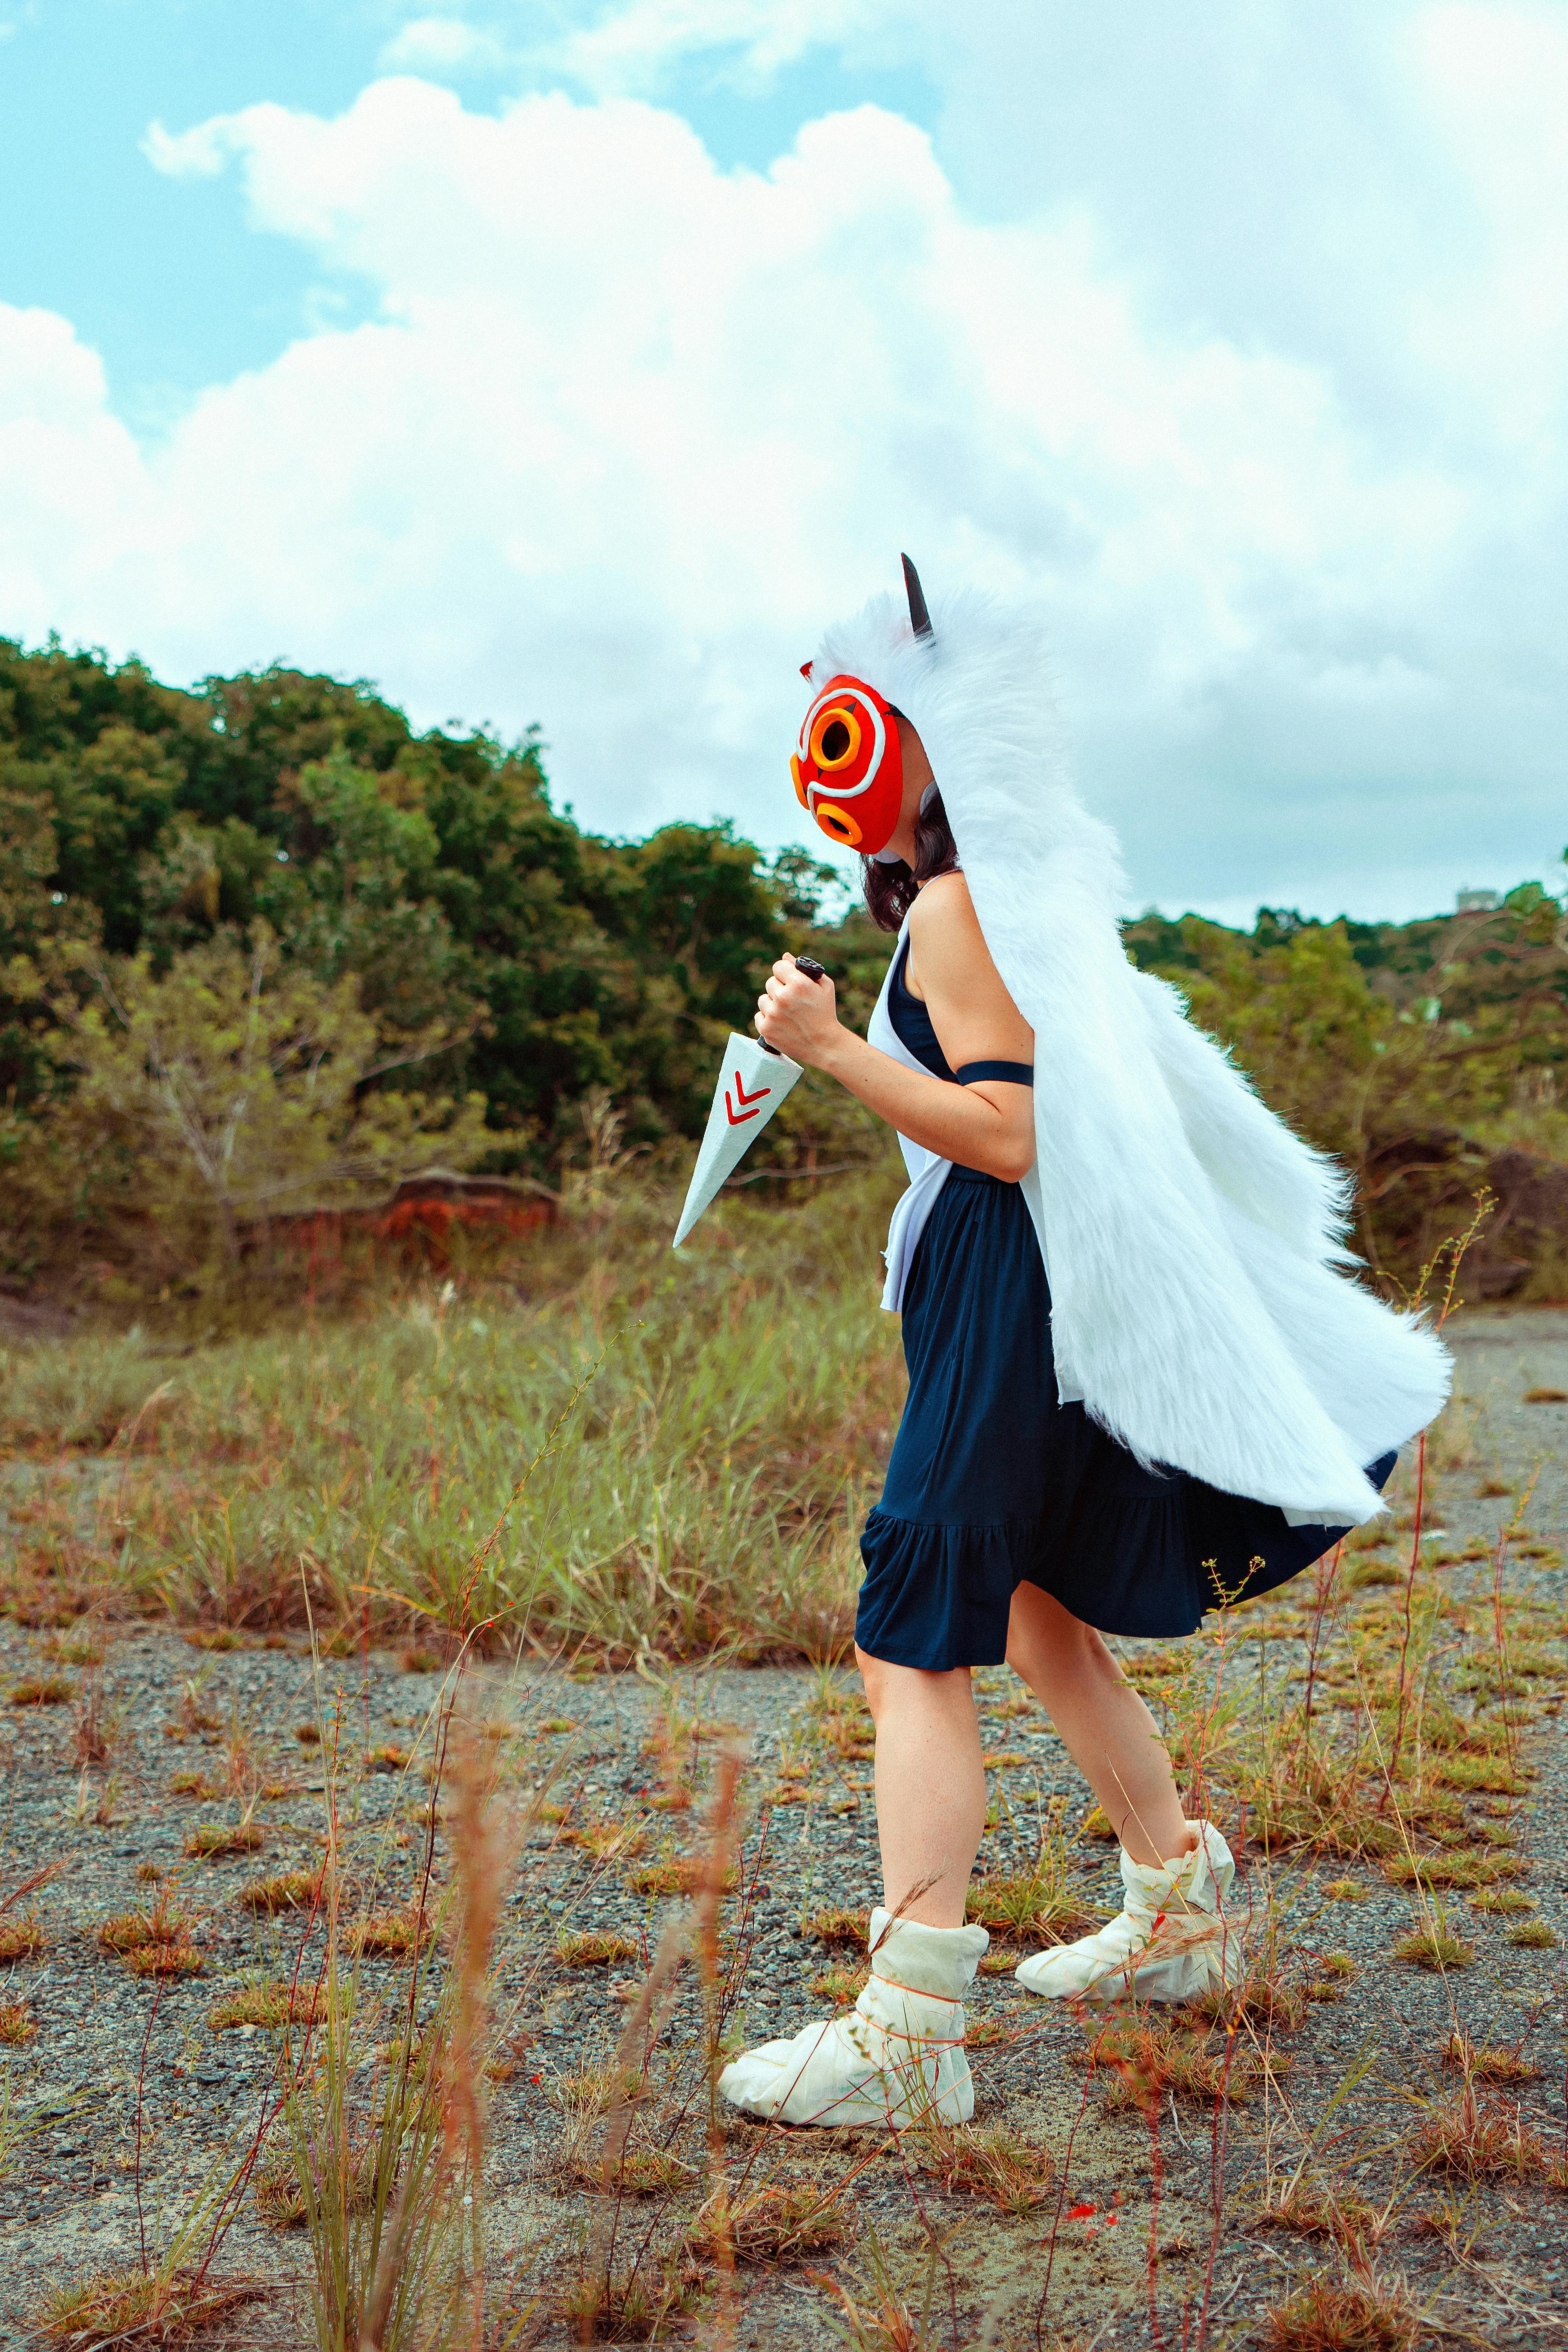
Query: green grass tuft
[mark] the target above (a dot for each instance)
(1434, 1948)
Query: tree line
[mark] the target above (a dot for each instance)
(265, 947)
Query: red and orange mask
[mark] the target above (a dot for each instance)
(849, 769)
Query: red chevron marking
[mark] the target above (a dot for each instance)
(743, 1096)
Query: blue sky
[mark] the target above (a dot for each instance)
(166, 281)
(577, 366)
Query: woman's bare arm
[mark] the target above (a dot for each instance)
(989, 1125)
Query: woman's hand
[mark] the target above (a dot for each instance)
(800, 1016)
(989, 1124)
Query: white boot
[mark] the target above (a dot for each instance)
(1172, 1941)
(896, 2058)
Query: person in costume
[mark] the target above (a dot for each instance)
(1143, 1380)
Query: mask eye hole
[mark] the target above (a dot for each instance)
(838, 824)
(835, 739)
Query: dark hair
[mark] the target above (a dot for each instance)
(890, 889)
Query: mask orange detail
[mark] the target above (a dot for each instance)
(848, 772)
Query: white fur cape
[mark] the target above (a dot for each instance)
(1201, 1305)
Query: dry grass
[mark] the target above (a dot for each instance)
(292, 1890)
(1438, 1869)
(679, 1873)
(194, 1716)
(1348, 2316)
(133, 2306)
(1031, 1904)
(396, 1933)
(42, 1690)
(273, 2004)
(1484, 2065)
(1263, 1999)
(606, 1841)
(281, 2201)
(131, 1931)
(636, 2172)
(96, 1729)
(594, 1949)
(220, 1840)
(1319, 2211)
(1003, 2166)
(16, 2026)
(1469, 2138)
(628, 2307)
(1480, 1773)
(776, 2223)
(594, 2090)
(174, 1959)
(20, 1939)
(841, 1986)
(77, 1645)
(748, 1516)
(1148, 2060)
(1000, 1960)
(1329, 1975)
(1535, 1936)
(155, 1943)
(1434, 1946)
(1303, 1799)
(835, 1924)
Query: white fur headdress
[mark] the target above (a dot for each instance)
(1201, 1306)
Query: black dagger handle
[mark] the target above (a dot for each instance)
(813, 970)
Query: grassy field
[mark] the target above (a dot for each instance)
(600, 1445)
(509, 1532)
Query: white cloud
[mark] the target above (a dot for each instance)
(627, 428)
(197, 154)
(66, 469)
(635, 48)
(443, 45)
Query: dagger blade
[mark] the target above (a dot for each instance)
(754, 1079)
(752, 1082)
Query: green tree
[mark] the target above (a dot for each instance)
(231, 1089)
(1414, 1053)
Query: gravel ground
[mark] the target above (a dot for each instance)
(109, 2048)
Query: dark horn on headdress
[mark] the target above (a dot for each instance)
(919, 616)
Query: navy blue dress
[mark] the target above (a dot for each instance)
(994, 1482)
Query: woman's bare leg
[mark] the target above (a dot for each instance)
(1105, 1727)
(931, 1786)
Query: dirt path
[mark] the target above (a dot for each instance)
(113, 2055)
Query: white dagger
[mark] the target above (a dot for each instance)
(754, 1079)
